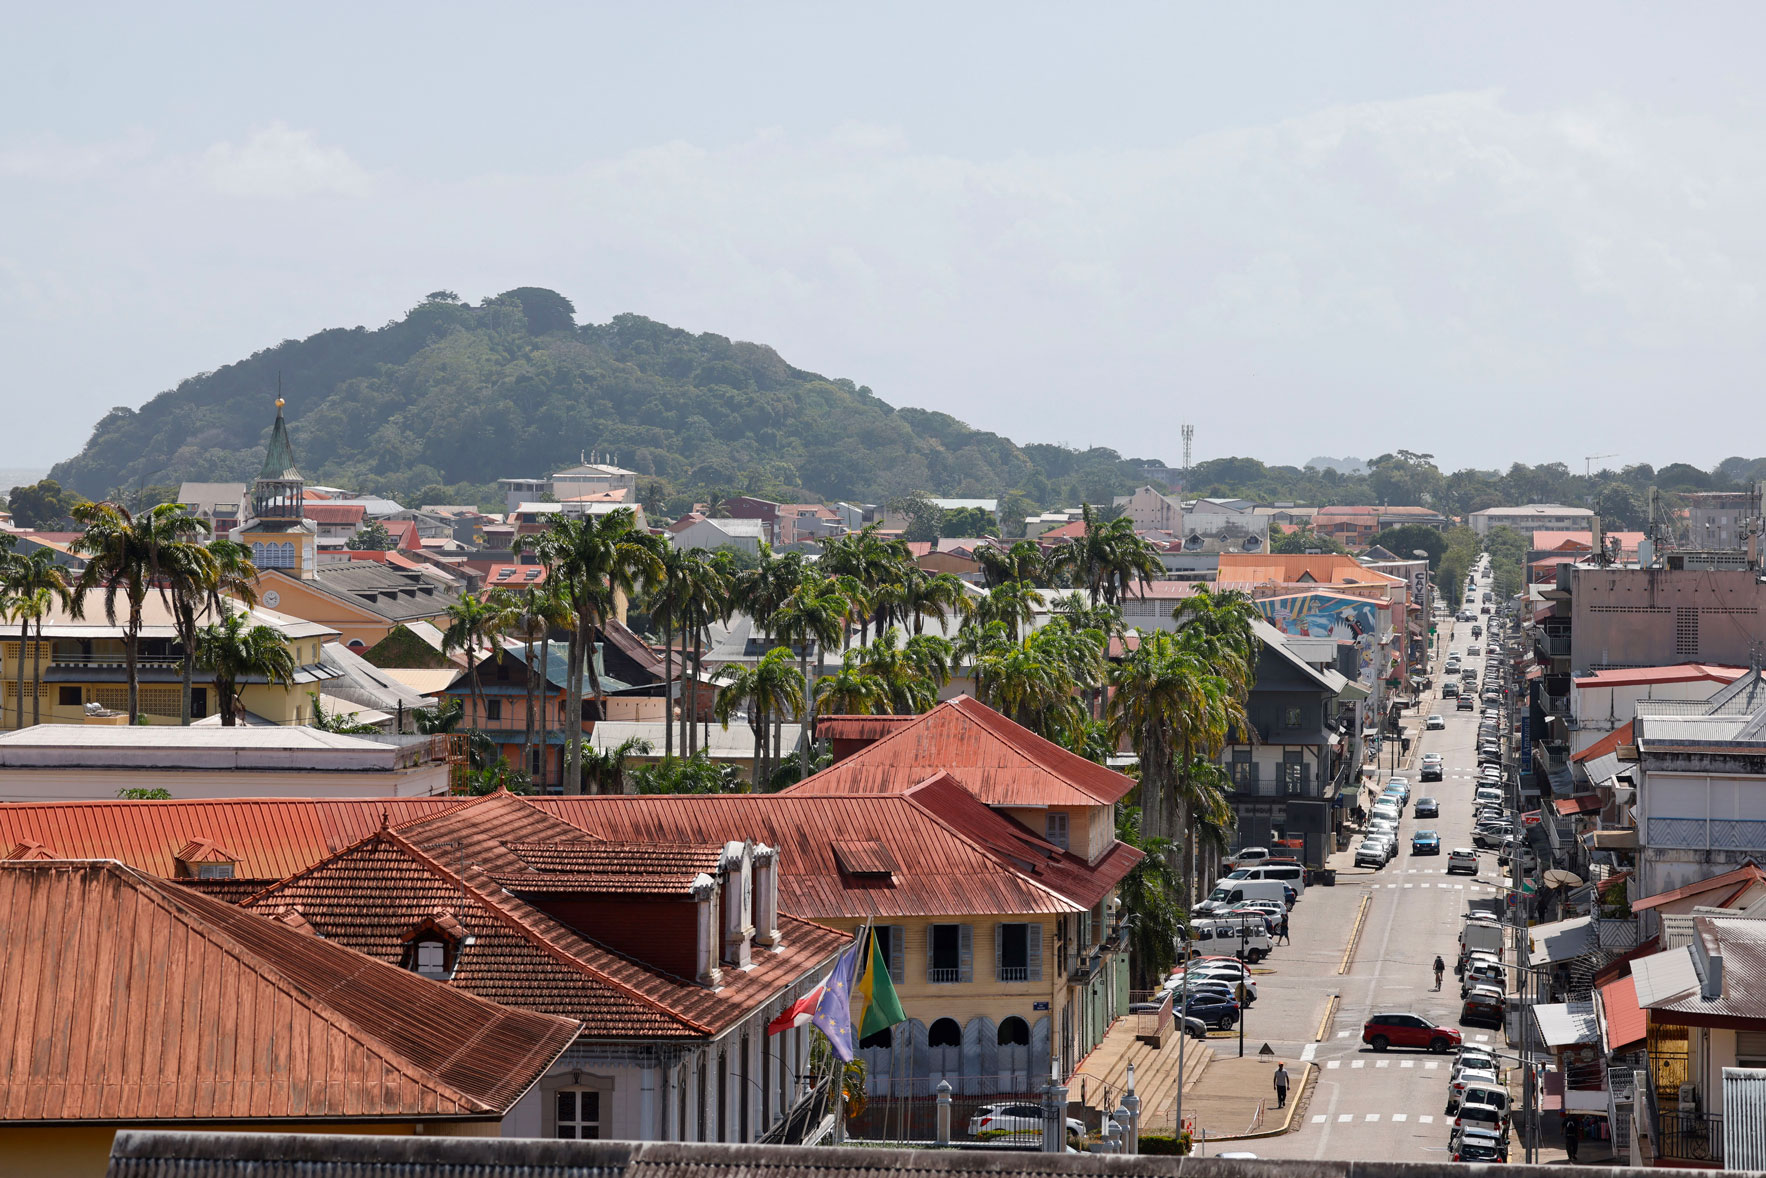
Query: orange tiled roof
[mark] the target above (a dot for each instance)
(1610, 743)
(1327, 568)
(1731, 883)
(1001, 763)
(1678, 673)
(370, 895)
(227, 1016)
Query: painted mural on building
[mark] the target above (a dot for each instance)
(1330, 615)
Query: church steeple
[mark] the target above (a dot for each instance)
(279, 493)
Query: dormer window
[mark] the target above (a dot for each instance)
(202, 858)
(213, 871)
(431, 958)
(433, 944)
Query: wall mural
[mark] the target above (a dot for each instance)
(1329, 615)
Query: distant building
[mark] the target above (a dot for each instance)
(278, 533)
(218, 504)
(1151, 508)
(744, 535)
(1721, 519)
(1531, 517)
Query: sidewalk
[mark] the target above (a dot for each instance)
(1224, 1099)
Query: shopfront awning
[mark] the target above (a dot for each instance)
(1561, 940)
(1566, 1024)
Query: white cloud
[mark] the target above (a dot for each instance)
(280, 162)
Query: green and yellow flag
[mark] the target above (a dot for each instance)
(882, 1008)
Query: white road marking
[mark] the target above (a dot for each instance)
(1480, 1038)
(1371, 1117)
(1383, 1063)
(1342, 1034)
(1431, 1065)
(1409, 1063)
(1345, 1118)
(1358, 1063)
(1425, 1119)
(1401, 1116)
(1320, 1119)
(1335, 1063)
(1309, 1051)
(1409, 885)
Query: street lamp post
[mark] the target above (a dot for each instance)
(1180, 944)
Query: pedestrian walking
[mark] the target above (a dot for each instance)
(1281, 1088)
(1281, 931)
(1572, 1137)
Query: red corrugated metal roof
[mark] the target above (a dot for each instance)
(334, 513)
(861, 857)
(861, 727)
(1610, 743)
(1625, 1023)
(1583, 804)
(1728, 882)
(1002, 763)
(372, 894)
(940, 871)
(1679, 673)
(133, 999)
(272, 837)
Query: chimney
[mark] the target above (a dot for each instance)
(766, 895)
(737, 869)
(705, 896)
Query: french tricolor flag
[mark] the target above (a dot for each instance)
(799, 1013)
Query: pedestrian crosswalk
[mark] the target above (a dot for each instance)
(1429, 1065)
(1372, 1118)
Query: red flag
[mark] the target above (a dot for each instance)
(799, 1013)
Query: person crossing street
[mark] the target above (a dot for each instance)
(1281, 1086)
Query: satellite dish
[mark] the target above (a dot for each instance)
(1559, 878)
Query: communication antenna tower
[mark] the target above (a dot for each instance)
(1189, 434)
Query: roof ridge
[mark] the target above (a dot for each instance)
(520, 924)
(997, 856)
(181, 902)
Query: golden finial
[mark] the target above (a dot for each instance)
(280, 402)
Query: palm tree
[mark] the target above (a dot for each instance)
(873, 562)
(908, 677)
(31, 585)
(667, 607)
(607, 770)
(594, 560)
(125, 556)
(1013, 604)
(1150, 897)
(1023, 561)
(849, 691)
(711, 600)
(529, 613)
(771, 686)
(338, 722)
(472, 626)
(1038, 681)
(920, 595)
(1108, 559)
(815, 613)
(231, 652)
(198, 581)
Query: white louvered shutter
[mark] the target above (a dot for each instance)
(897, 955)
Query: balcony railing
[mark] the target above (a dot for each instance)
(114, 660)
(943, 976)
(1689, 1137)
(1014, 973)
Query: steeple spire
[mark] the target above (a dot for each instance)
(279, 491)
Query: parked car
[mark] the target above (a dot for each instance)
(1480, 1145)
(1483, 1006)
(1425, 842)
(1435, 722)
(1491, 835)
(1371, 853)
(1220, 1013)
(1462, 859)
(1477, 1117)
(1490, 1095)
(1428, 807)
(1463, 1077)
(1450, 689)
(1248, 856)
(1480, 971)
(1399, 785)
(1015, 1118)
(1407, 1030)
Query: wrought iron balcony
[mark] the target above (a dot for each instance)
(1689, 1137)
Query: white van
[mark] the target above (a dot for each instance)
(1230, 893)
(1217, 937)
(1291, 874)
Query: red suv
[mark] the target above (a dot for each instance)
(1407, 1030)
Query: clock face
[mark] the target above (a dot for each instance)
(272, 599)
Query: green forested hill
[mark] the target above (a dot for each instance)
(437, 406)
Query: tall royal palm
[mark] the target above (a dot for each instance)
(198, 583)
(814, 615)
(31, 585)
(667, 606)
(1108, 559)
(908, 675)
(919, 596)
(235, 651)
(1023, 561)
(472, 627)
(126, 554)
(770, 687)
(595, 560)
(709, 599)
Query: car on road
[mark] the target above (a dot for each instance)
(1491, 835)
(1450, 689)
(1016, 1118)
(1473, 651)
(1480, 1145)
(1432, 772)
(1428, 808)
(1425, 842)
(1466, 704)
(1463, 1078)
(1403, 1029)
(1435, 722)
(1483, 1006)
(1371, 853)
(1462, 859)
(1248, 857)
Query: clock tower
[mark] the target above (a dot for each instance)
(278, 533)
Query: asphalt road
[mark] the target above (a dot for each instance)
(1367, 1105)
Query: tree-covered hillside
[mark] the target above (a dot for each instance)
(437, 406)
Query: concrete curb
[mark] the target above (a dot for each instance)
(1355, 934)
(1324, 1024)
(1295, 1096)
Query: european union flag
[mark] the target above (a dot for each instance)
(834, 1012)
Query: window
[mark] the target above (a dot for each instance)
(493, 709)
(198, 702)
(949, 953)
(579, 1114)
(536, 762)
(1014, 1032)
(1057, 828)
(892, 939)
(68, 697)
(944, 1033)
(1291, 717)
(1017, 952)
(214, 871)
(432, 959)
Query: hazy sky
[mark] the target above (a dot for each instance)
(1493, 232)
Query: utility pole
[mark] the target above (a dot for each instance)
(1189, 435)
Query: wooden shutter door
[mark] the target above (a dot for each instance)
(965, 953)
(1033, 949)
(897, 955)
(999, 951)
